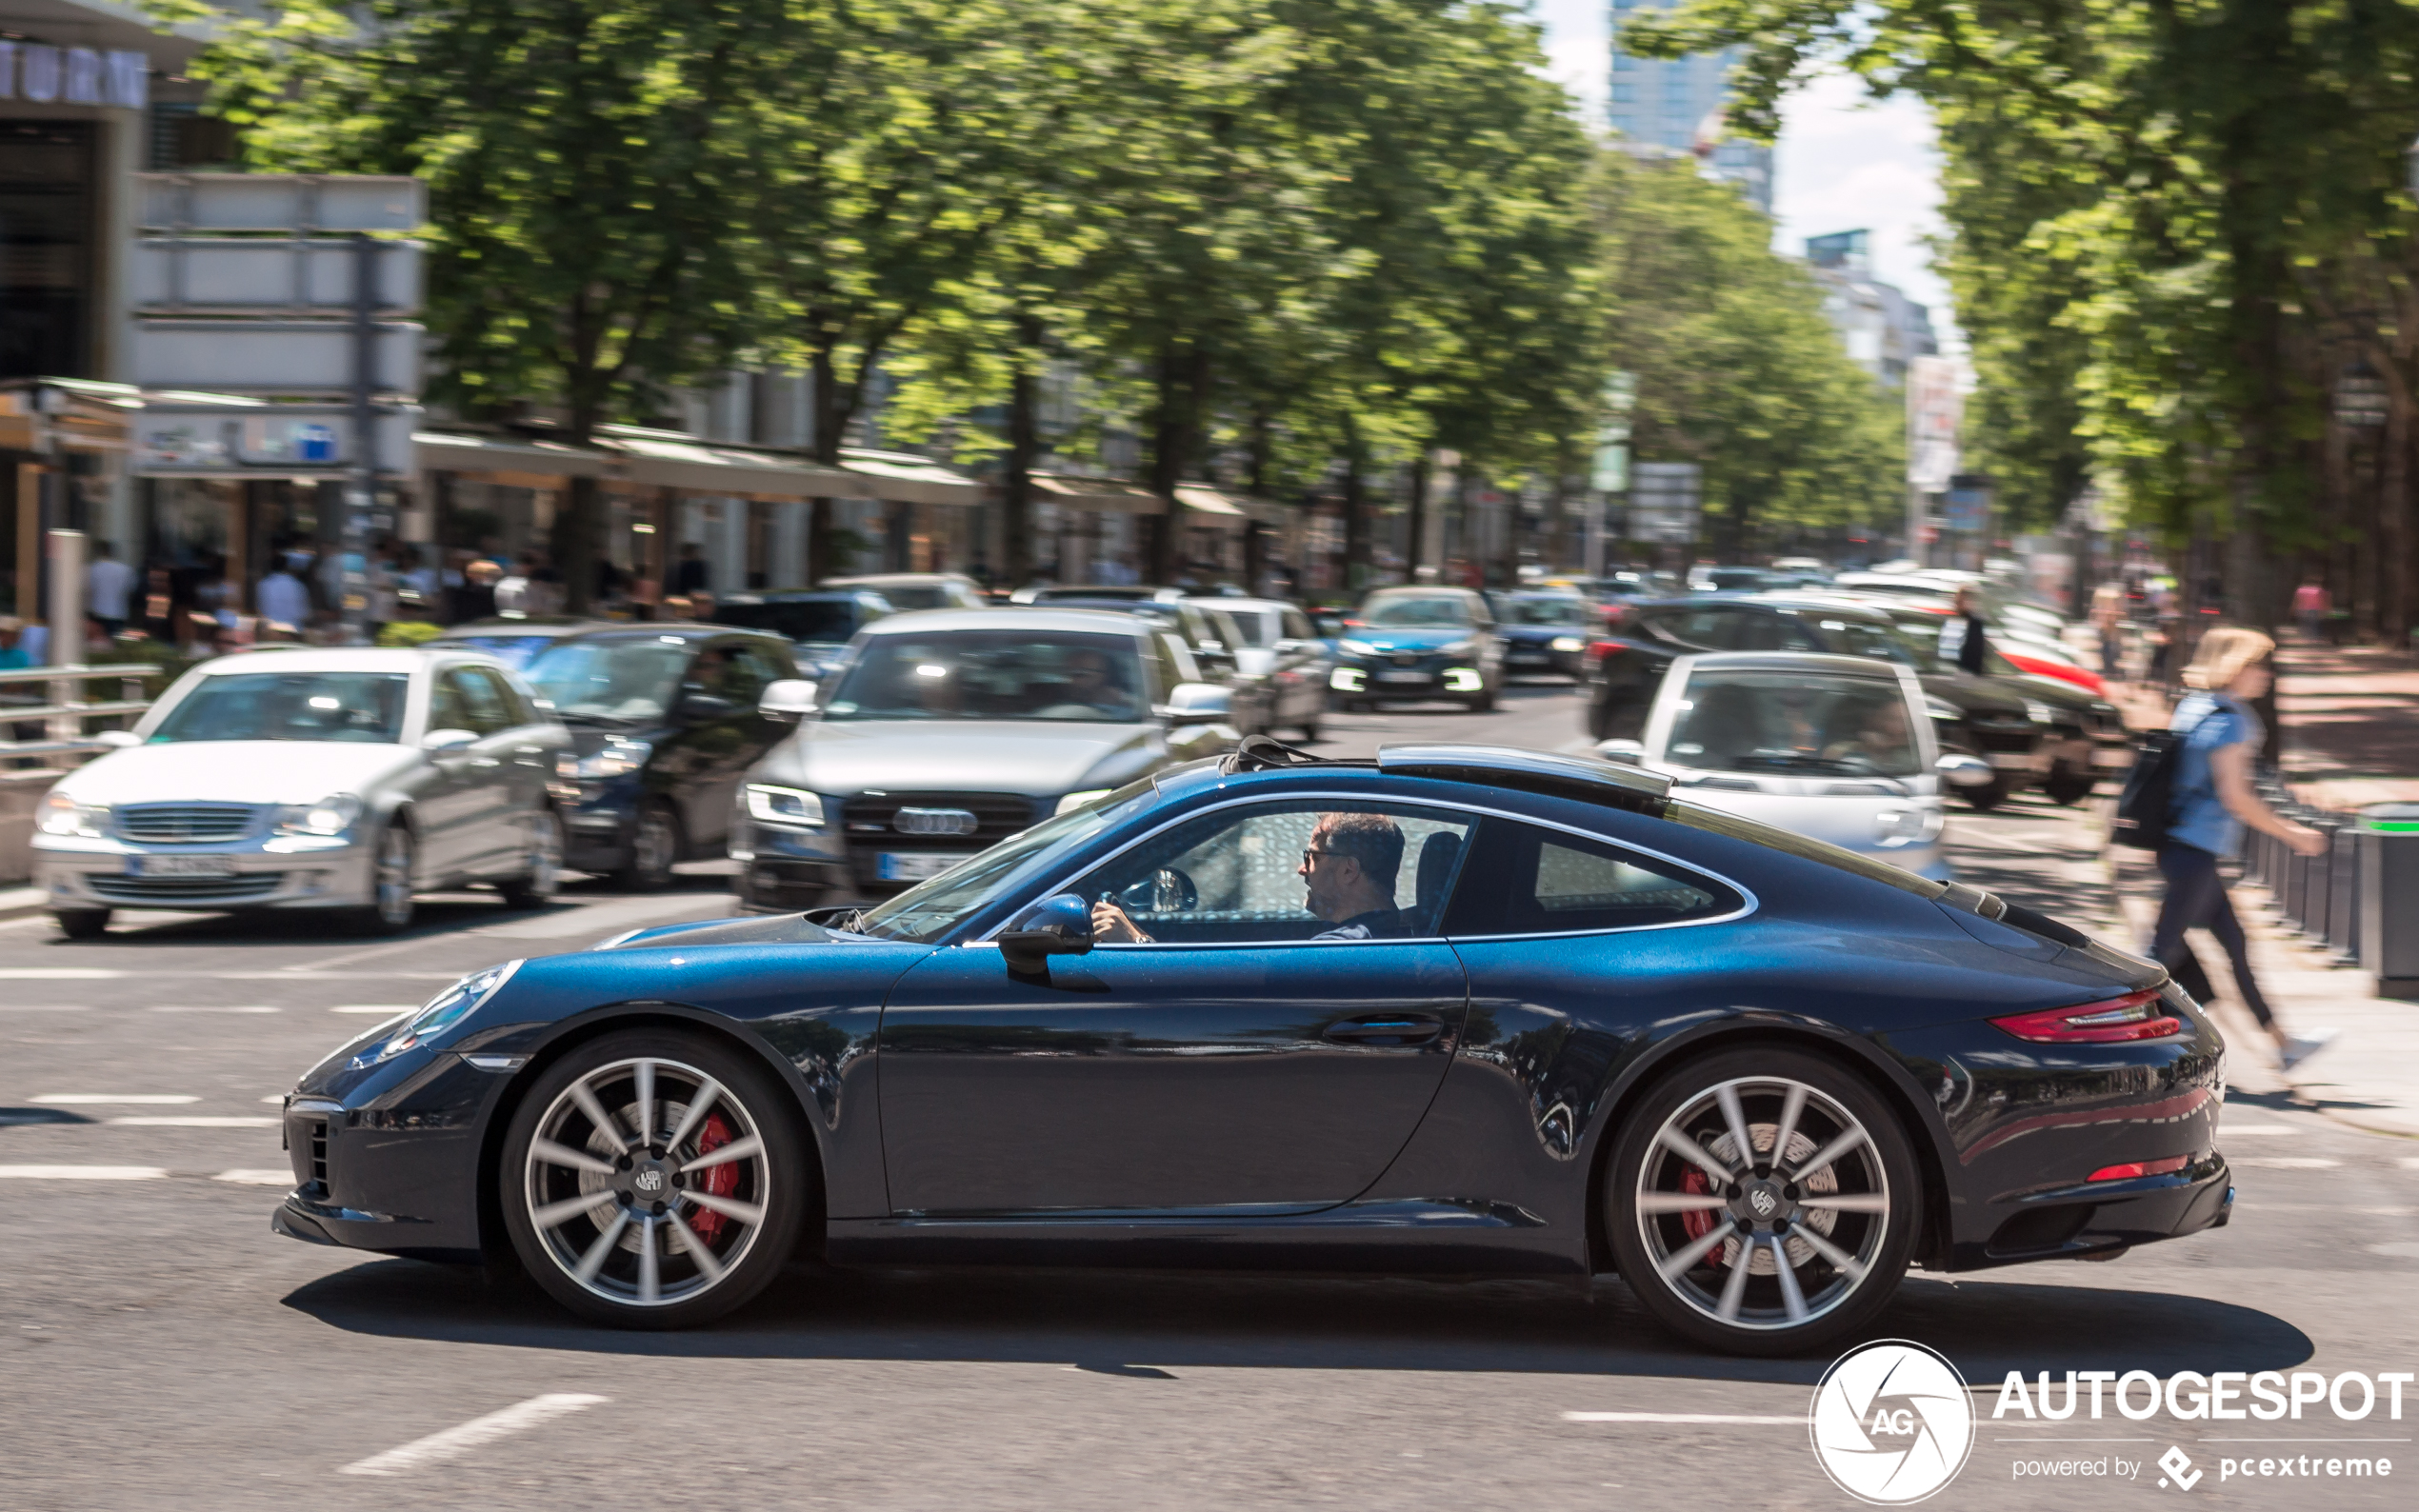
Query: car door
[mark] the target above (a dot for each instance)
(1301, 668)
(722, 747)
(527, 747)
(1228, 1064)
(445, 805)
(494, 772)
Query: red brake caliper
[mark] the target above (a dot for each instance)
(1700, 1223)
(719, 1181)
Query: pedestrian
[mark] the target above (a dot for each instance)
(282, 599)
(1961, 637)
(2213, 801)
(107, 582)
(12, 651)
(2311, 607)
(690, 573)
(2107, 618)
(475, 598)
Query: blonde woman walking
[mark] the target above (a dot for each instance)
(2214, 803)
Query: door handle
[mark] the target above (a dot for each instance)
(1386, 1028)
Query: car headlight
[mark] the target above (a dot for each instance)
(1460, 648)
(617, 758)
(1570, 643)
(1941, 708)
(331, 815)
(63, 815)
(1356, 647)
(440, 1014)
(792, 806)
(1078, 799)
(2038, 714)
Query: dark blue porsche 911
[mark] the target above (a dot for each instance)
(1457, 1009)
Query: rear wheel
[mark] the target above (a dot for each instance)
(82, 923)
(654, 845)
(1309, 728)
(536, 887)
(1763, 1201)
(1483, 701)
(1988, 796)
(653, 1179)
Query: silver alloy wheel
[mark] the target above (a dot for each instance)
(1763, 1203)
(390, 883)
(647, 1182)
(654, 847)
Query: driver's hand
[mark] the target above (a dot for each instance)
(1112, 927)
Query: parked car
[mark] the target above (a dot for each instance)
(1838, 748)
(663, 724)
(1419, 643)
(1274, 659)
(1543, 632)
(1578, 1025)
(950, 730)
(909, 591)
(818, 625)
(514, 642)
(309, 779)
(1994, 739)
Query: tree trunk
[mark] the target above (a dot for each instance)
(1558, 515)
(1024, 445)
(1184, 381)
(1415, 538)
(1357, 508)
(824, 445)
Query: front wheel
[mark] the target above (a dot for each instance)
(2066, 785)
(82, 923)
(653, 1179)
(1763, 1201)
(654, 845)
(1988, 796)
(390, 878)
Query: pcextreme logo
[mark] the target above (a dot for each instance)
(1891, 1422)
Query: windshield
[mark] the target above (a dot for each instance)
(826, 622)
(512, 651)
(930, 910)
(617, 680)
(994, 674)
(1546, 612)
(1438, 611)
(365, 707)
(1738, 721)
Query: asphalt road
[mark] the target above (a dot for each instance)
(159, 1347)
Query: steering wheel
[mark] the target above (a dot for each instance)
(1166, 890)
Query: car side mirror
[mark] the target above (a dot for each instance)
(703, 708)
(447, 740)
(1197, 704)
(1627, 751)
(788, 701)
(1057, 925)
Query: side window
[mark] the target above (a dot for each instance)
(1773, 632)
(483, 707)
(1706, 629)
(1526, 879)
(751, 667)
(447, 708)
(516, 708)
(1298, 626)
(1302, 870)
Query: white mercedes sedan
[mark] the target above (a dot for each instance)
(336, 779)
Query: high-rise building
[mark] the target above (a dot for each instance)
(1669, 108)
(1882, 329)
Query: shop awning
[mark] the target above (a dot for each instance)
(1103, 494)
(666, 459)
(906, 478)
(514, 463)
(701, 468)
(1225, 507)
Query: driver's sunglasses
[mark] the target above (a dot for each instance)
(1307, 854)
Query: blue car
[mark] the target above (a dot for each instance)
(1455, 1009)
(1411, 645)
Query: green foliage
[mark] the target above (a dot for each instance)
(407, 633)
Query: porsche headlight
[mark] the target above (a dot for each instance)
(790, 807)
(1570, 643)
(331, 815)
(617, 758)
(440, 1014)
(1356, 647)
(62, 815)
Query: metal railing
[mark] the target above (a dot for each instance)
(44, 712)
(2317, 897)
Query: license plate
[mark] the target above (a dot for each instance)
(180, 865)
(1401, 677)
(914, 866)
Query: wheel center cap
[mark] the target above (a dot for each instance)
(650, 1181)
(1761, 1203)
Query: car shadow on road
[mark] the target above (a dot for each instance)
(1138, 1324)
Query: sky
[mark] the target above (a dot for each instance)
(1843, 161)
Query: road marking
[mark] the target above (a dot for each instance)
(2410, 1162)
(194, 1008)
(458, 1440)
(62, 974)
(154, 1098)
(2257, 1128)
(275, 1099)
(84, 1173)
(1681, 1417)
(256, 1176)
(386, 1009)
(194, 1122)
(2285, 1163)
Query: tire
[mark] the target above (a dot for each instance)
(1707, 1297)
(1483, 703)
(82, 923)
(2066, 785)
(394, 860)
(1599, 720)
(1309, 728)
(536, 887)
(624, 1256)
(1988, 797)
(654, 845)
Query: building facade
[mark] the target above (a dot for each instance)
(1882, 329)
(1672, 106)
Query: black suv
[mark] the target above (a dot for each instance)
(1985, 717)
(664, 727)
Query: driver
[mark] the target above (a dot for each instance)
(1092, 684)
(1883, 740)
(1348, 870)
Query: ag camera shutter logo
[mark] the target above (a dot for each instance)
(1891, 1422)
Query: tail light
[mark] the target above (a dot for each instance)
(1612, 616)
(1599, 651)
(2135, 1016)
(2132, 1168)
